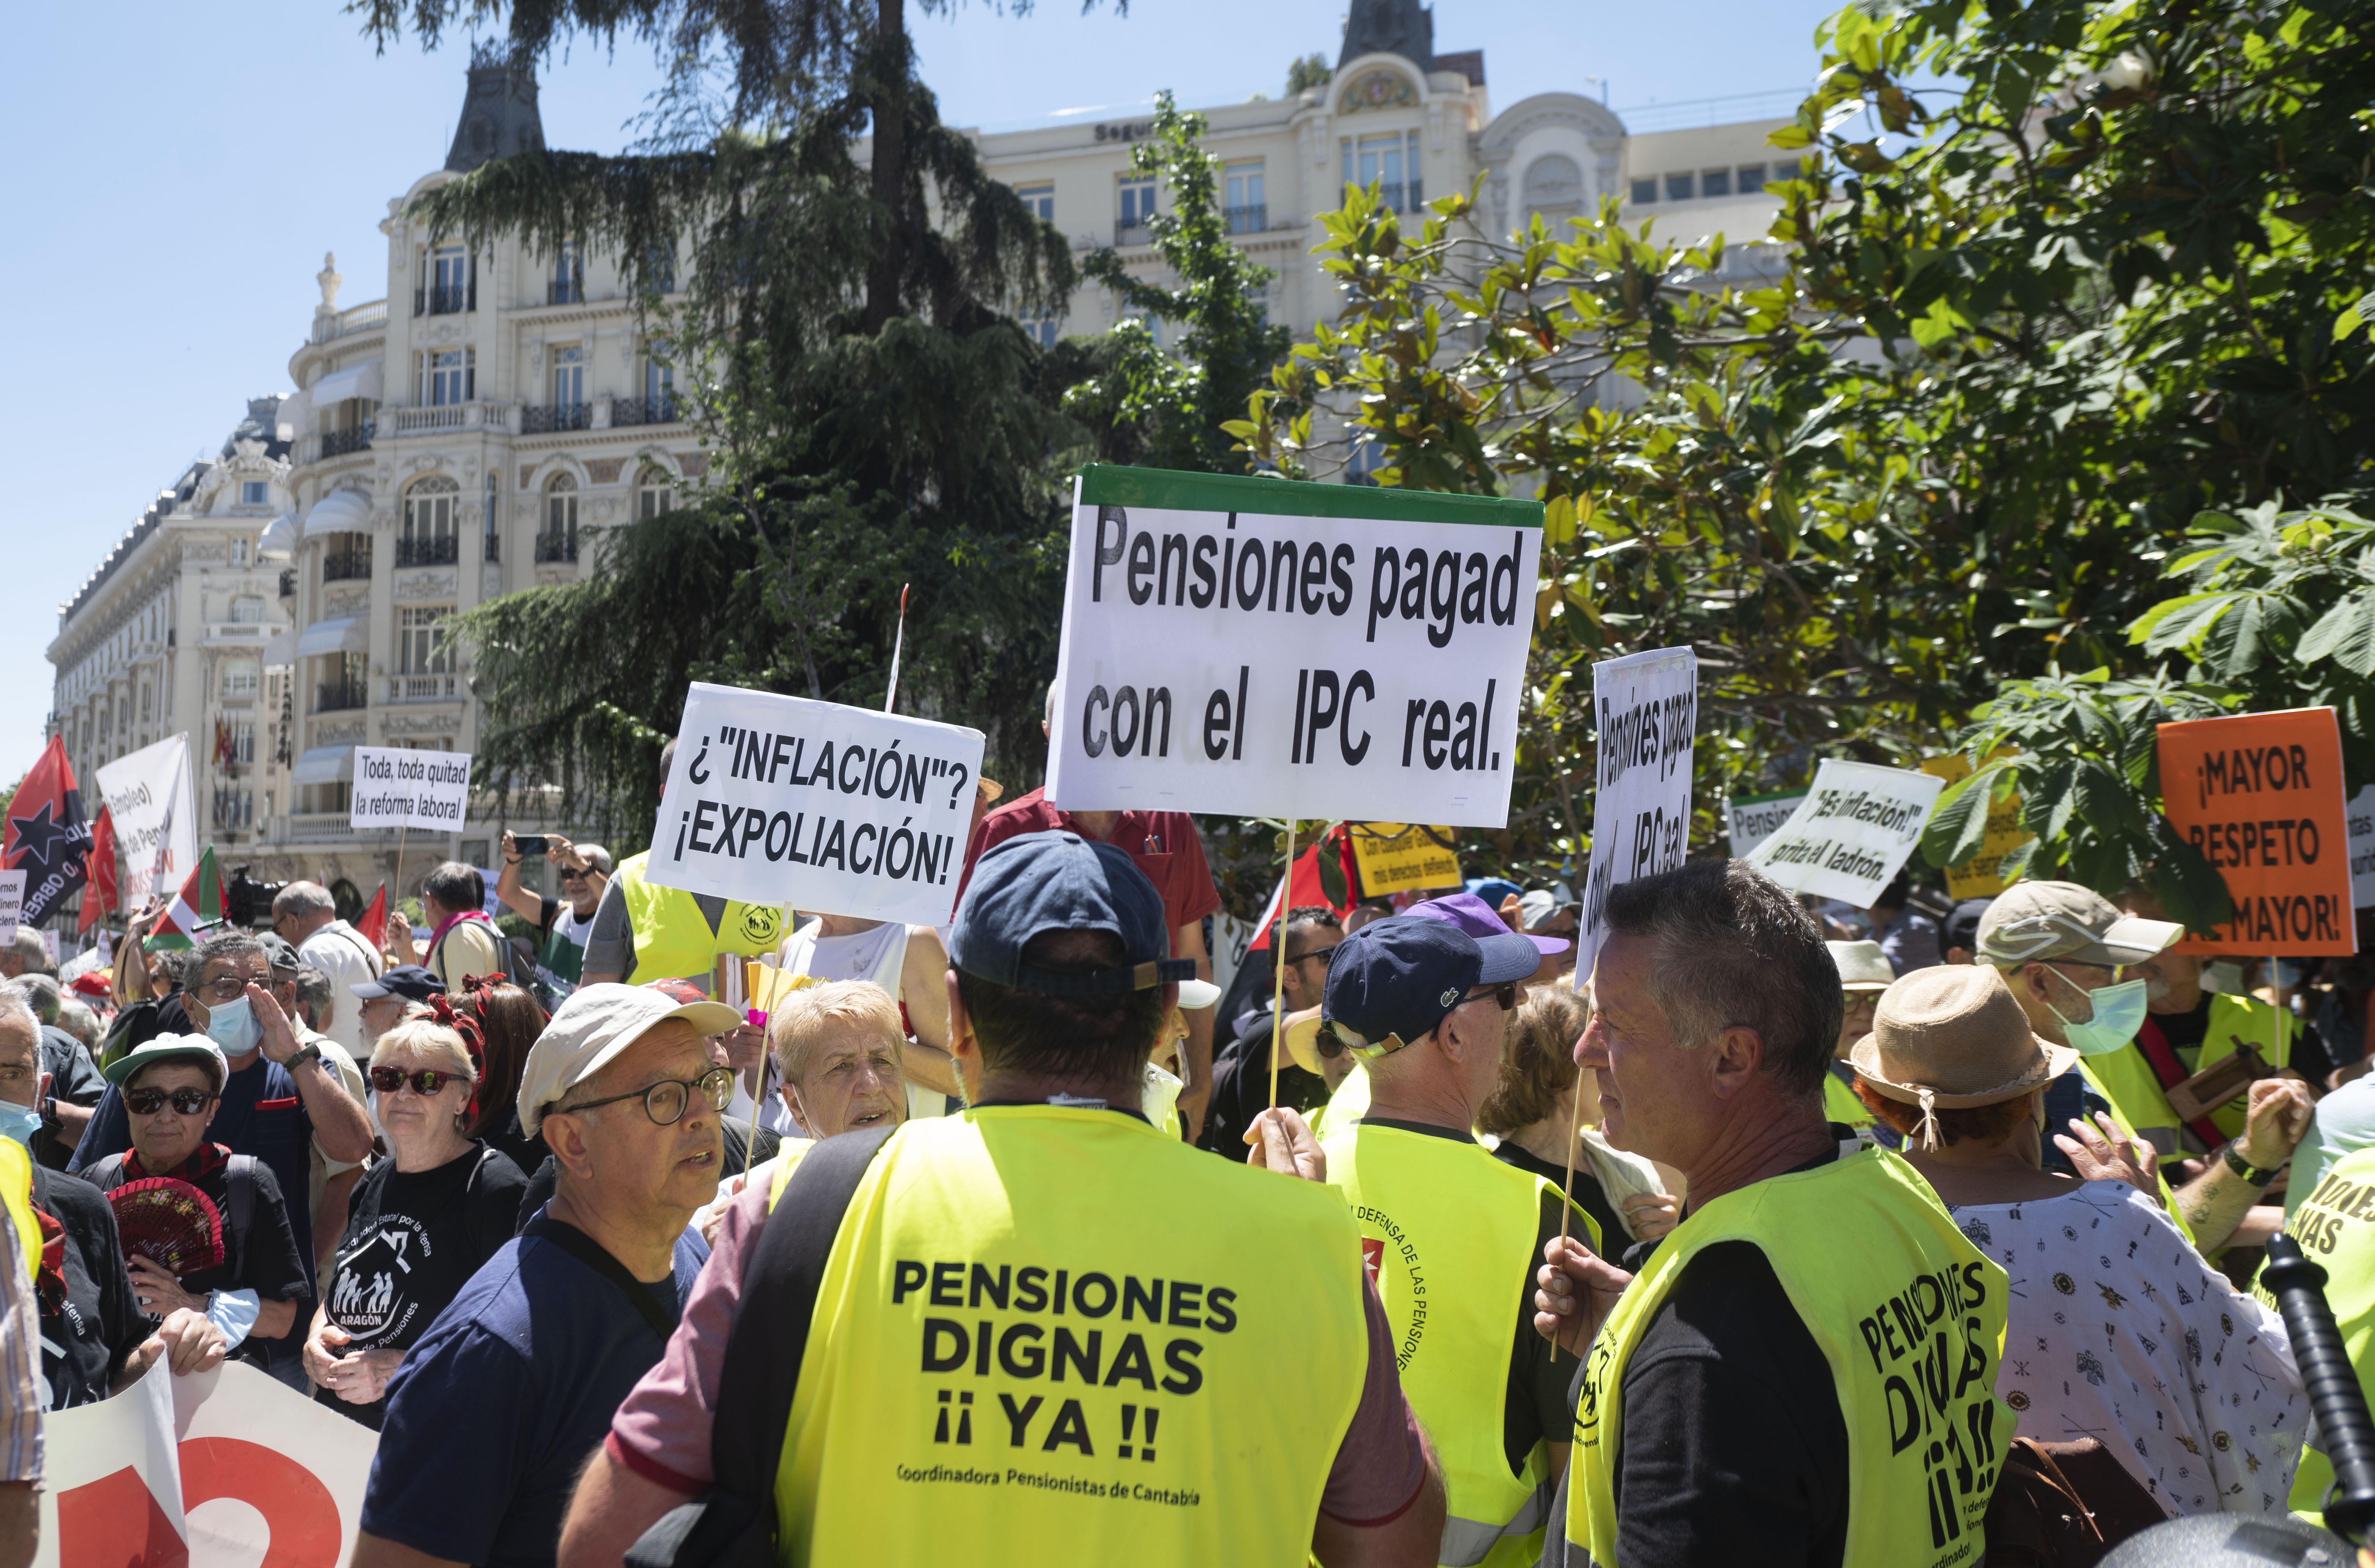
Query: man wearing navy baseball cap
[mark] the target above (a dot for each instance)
(1450, 1234)
(1046, 1321)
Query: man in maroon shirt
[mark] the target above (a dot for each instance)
(1163, 845)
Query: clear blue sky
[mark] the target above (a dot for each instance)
(177, 166)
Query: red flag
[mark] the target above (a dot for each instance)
(374, 924)
(101, 893)
(1305, 888)
(48, 838)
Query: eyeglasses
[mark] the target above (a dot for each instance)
(425, 1082)
(185, 1101)
(1504, 995)
(224, 988)
(666, 1102)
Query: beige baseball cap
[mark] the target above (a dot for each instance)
(1862, 966)
(592, 1030)
(2041, 921)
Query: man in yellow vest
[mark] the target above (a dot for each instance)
(644, 932)
(1803, 1374)
(2065, 951)
(1448, 1233)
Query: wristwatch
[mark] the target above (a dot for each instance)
(2253, 1173)
(311, 1053)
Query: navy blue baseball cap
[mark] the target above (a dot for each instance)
(1059, 881)
(1392, 981)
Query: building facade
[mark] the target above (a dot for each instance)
(173, 633)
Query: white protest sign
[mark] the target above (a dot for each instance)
(2359, 816)
(396, 788)
(1752, 819)
(149, 802)
(12, 904)
(1646, 707)
(1851, 835)
(1264, 648)
(840, 810)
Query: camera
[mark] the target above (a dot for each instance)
(248, 902)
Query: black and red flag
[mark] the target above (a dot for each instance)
(48, 838)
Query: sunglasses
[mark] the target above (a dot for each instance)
(569, 875)
(1504, 995)
(185, 1101)
(1319, 953)
(425, 1082)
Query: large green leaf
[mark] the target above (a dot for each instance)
(2346, 633)
(2175, 623)
(2190, 889)
(1959, 823)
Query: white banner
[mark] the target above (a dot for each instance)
(830, 810)
(149, 801)
(2359, 816)
(1646, 709)
(1851, 835)
(396, 788)
(222, 1469)
(12, 904)
(1263, 648)
(1752, 819)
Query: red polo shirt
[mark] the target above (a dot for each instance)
(1161, 844)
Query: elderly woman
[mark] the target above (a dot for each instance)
(2119, 1330)
(1532, 1111)
(171, 1086)
(421, 1223)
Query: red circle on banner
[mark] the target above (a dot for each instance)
(297, 1507)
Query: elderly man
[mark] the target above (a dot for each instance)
(2065, 950)
(306, 916)
(380, 1003)
(495, 1411)
(95, 1342)
(1450, 1233)
(563, 923)
(27, 955)
(1737, 1404)
(74, 1085)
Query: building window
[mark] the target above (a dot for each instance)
(1042, 330)
(1246, 209)
(1715, 182)
(494, 533)
(247, 609)
(1678, 187)
(1752, 178)
(448, 376)
(254, 492)
(239, 740)
(239, 552)
(1040, 199)
(568, 376)
(239, 677)
(1137, 205)
(453, 281)
(659, 267)
(431, 538)
(568, 283)
(420, 648)
(655, 492)
(1389, 162)
(557, 540)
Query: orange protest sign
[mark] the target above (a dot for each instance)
(2261, 797)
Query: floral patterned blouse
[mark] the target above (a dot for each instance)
(2119, 1331)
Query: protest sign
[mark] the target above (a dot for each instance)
(2261, 796)
(149, 802)
(1981, 877)
(1752, 819)
(1851, 835)
(2359, 817)
(1647, 709)
(397, 788)
(841, 811)
(1394, 857)
(219, 1469)
(1264, 648)
(12, 904)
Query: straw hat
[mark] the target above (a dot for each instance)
(1951, 1037)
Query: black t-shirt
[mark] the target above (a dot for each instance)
(1241, 1091)
(412, 1241)
(1587, 1194)
(87, 1333)
(262, 1258)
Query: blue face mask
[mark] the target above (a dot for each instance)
(19, 1122)
(2119, 1013)
(233, 1026)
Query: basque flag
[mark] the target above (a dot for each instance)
(48, 838)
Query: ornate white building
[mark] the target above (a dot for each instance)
(171, 633)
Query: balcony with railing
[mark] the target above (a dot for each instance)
(340, 696)
(438, 550)
(552, 416)
(556, 545)
(440, 687)
(348, 560)
(288, 582)
(329, 327)
(1250, 220)
(218, 634)
(339, 443)
(568, 290)
(446, 299)
(444, 417)
(1133, 234)
(1402, 198)
(665, 409)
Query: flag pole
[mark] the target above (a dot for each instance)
(1278, 940)
(401, 830)
(898, 645)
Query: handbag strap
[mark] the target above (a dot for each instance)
(780, 1280)
(589, 1252)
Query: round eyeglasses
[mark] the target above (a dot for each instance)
(666, 1102)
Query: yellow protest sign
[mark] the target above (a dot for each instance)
(1396, 856)
(1981, 876)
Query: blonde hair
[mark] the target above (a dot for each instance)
(802, 1020)
(423, 1037)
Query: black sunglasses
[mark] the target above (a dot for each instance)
(425, 1082)
(1504, 995)
(185, 1101)
(1319, 953)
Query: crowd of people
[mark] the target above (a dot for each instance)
(1780, 1235)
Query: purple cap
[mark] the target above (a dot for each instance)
(1478, 918)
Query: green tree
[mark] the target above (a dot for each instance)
(1310, 71)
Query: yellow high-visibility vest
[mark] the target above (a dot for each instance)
(673, 941)
(2127, 1080)
(1908, 1313)
(16, 1195)
(1008, 1362)
(2336, 1228)
(1841, 1104)
(1448, 1233)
